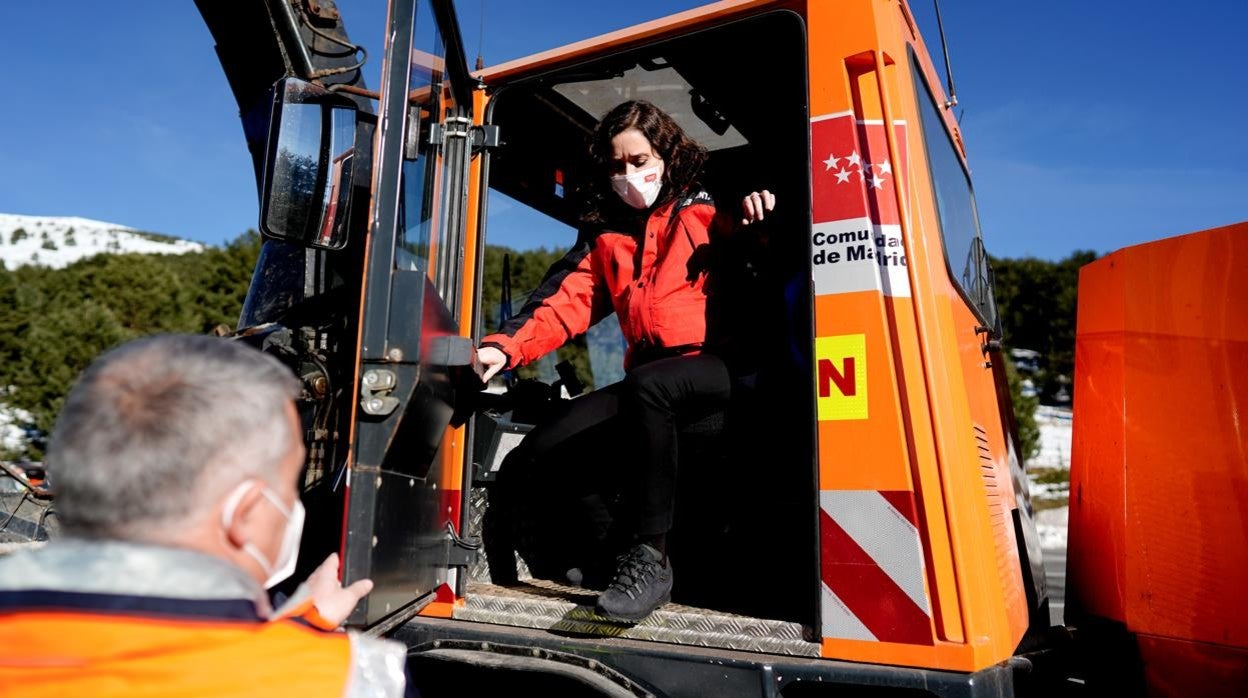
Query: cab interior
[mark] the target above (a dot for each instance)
(745, 535)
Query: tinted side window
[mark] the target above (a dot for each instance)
(418, 235)
(965, 256)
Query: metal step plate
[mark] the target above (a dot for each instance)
(542, 604)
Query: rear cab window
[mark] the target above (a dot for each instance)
(965, 256)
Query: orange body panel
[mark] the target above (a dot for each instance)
(1159, 462)
(440, 609)
(882, 442)
(938, 396)
(624, 39)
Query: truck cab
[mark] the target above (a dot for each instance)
(859, 519)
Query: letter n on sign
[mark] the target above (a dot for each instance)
(841, 376)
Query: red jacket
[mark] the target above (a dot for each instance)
(656, 284)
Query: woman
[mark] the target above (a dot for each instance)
(643, 253)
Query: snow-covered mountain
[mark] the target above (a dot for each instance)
(59, 241)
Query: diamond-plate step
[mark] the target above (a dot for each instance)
(549, 606)
(479, 570)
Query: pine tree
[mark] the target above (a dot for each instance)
(58, 320)
(1037, 301)
(1024, 415)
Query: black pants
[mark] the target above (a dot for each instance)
(623, 440)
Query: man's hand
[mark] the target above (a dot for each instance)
(756, 204)
(493, 360)
(333, 601)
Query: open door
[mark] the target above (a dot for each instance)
(412, 367)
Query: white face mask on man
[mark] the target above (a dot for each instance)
(641, 188)
(288, 555)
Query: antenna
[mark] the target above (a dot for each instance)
(481, 38)
(953, 93)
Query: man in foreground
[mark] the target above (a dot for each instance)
(176, 461)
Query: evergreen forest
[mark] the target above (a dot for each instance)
(55, 321)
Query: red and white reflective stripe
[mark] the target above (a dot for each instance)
(871, 560)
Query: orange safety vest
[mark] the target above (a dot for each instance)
(55, 643)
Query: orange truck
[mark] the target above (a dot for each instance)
(874, 534)
(1158, 555)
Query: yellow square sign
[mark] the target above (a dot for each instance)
(841, 376)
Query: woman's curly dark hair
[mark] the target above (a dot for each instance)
(682, 157)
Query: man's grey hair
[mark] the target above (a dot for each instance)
(158, 428)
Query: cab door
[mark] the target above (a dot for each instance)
(413, 367)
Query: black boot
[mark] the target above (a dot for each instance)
(643, 582)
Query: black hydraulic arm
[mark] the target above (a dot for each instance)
(261, 41)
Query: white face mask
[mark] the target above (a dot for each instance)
(288, 556)
(641, 188)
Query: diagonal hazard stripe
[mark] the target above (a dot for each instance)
(885, 534)
(866, 591)
(903, 502)
(839, 621)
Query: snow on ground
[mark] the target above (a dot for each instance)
(57, 242)
(1051, 527)
(1049, 474)
(12, 435)
(1054, 423)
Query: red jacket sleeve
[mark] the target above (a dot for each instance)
(569, 300)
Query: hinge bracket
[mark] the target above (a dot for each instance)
(479, 137)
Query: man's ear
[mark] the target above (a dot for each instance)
(236, 531)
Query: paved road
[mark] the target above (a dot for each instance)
(1055, 574)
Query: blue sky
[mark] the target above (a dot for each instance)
(1089, 125)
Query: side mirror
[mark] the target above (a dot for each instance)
(308, 172)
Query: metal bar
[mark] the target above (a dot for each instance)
(12, 472)
(457, 158)
(953, 94)
(290, 28)
(400, 617)
(351, 89)
(387, 184)
(444, 10)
